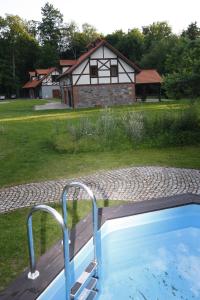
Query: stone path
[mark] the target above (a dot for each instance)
(132, 184)
(52, 105)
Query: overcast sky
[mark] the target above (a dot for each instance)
(110, 15)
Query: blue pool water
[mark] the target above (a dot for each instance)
(165, 266)
(153, 256)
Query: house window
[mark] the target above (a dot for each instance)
(114, 71)
(54, 78)
(93, 71)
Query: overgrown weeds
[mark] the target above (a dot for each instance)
(111, 130)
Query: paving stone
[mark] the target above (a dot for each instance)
(132, 184)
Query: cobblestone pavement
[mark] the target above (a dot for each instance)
(132, 184)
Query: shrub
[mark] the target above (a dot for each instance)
(110, 131)
(84, 128)
(179, 85)
(173, 128)
(133, 124)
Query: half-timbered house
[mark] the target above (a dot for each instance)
(102, 76)
(43, 84)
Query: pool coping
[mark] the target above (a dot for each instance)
(51, 263)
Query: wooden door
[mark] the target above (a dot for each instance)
(56, 94)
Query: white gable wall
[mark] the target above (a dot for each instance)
(104, 80)
(64, 69)
(123, 78)
(98, 53)
(114, 80)
(126, 66)
(81, 67)
(48, 79)
(84, 79)
(108, 53)
(103, 58)
(81, 74)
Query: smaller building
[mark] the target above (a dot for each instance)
(148, 83)
(43, 84)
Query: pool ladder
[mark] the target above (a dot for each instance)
(85, 286)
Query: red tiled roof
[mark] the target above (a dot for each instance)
(44, 71)
(92, 50)
(148, 76)
(67, 62)
(32, 73)
(32, 84)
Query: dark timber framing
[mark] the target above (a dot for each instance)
(102, 55)
(81, 73)
(51, 263)
(100, 64)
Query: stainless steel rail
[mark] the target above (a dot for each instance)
(94, 213)
(33, 274)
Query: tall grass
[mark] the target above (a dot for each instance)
(111, 130)
(173, 128)
(133, 126)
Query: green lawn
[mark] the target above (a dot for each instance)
(34, 146)
(27, 138)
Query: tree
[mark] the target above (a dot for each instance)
(158, 54)
(50, 36)
(192, 32)
(68, 45)
(130, 44)
(48, 56)
(80, 39)
(115, 38)
(32, 28)
(17, 52)
(50, 27)
(184, 80)
(89, 33)
(174, 59)
(155, 32)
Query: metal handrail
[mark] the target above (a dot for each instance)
(94, 212)
(33, 274)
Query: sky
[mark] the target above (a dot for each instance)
(110, 15)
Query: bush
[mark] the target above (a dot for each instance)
(110, 131)
(182, 128)
(84, 128)
(180, 85)
(133, 124)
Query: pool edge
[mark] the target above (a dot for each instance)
(23, 289)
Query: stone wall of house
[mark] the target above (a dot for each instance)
(103, 95)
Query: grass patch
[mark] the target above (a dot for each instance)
(41, 145)
(13, 235)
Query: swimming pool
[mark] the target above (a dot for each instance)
(150, 256)
(147, 250)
